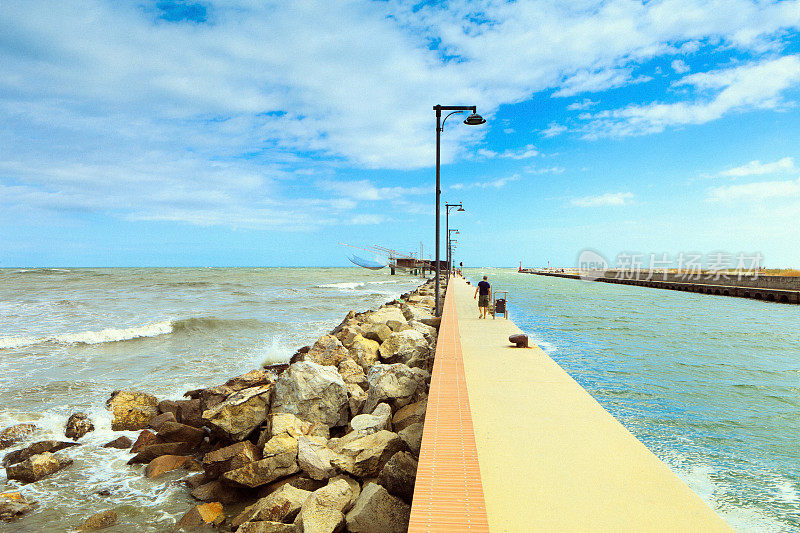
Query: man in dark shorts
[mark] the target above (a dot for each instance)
(485, 295)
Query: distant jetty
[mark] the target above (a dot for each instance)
(781, 289)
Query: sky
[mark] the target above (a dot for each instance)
(261, 133)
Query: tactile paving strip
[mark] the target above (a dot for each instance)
(448, 495)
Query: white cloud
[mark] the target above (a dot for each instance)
(607, 199)
(580, 106)
(598, 80)
(362, 220)
(546, 170)
(525, 152)
(553, 129)
(757, 168)
(366, 190)
(493, 184)
(757, 85)
(755, 192)
(680, 66)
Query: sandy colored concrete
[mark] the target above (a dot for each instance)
(551, 458)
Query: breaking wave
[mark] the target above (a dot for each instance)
(345, 285)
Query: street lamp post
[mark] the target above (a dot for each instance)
(473, 120)
(447, 208)
(450, 242)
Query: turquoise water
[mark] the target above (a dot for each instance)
(710, 384)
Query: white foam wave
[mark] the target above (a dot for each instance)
(344, 285)
(384, 282)
(92, 337)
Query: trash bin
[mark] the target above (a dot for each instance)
(500, 306)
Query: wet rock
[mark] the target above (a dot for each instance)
(377, 511)
(240, 414)
(395, 384)
(356, 396)
(103, 492)
(78, 425)
(123, 443)
(314, 457)
(413, 413)
(229, 458)
(177, 432)
(350, 316)
(322, 510)
(190, 412)
(52, 446)
(254, 378)
(377, 332)
(365, 351)
(312, 392)
(298, 481)
(264, 526)
(352, 372)
(13, 506)
(348, 334)
(157, 450)
(37, 467)
(196, 480)
(283, 505)
(131, 410)
(280, 460)
(327, 351)
(404, 346)
(203, 515)
(381, 418)
(146, 438)
(14, 434)
(100, 520)
(166, 463)
(386, 314)
(216, 491)
(365, 456)
(398, 476)
(412, 436)
(157, 420)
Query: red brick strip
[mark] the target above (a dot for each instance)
(448, 495)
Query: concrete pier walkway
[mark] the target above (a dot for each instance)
(550, 457)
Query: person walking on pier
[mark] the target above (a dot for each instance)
(485, 295)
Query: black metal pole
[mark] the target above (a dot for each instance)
(437, 311)
(447, 231)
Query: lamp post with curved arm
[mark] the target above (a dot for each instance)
(447, 208)
(473, 120)
(450, 241)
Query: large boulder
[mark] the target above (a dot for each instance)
(78, 425)
(403, 346)
(131, 410)
(14, 434)
(412, 312)
(149, 453)
(352, 372)
(52, 446)
(166, 463)
(216, 491)
(312, 392)
(385, 315)
(146, 438)
(413, 413)
(395, 384)
(327, 351)
(322, 512)
(348, 334)
(266, 526)
(365, 351)
(156, 421)
(314, 457)
(381, 418)
(37, 467)
(377, 511)
(280, 460)
(201, 516)
(365, 456)
(398, 476)
(240, 414)
(100, 520)
(412, 436)
(283, 505)
(287, 423)
(176, 432)
(121, 443)
(356, 396)
(429, 332)
(13, 506)
(231, 457)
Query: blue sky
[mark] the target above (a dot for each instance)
(246, 132)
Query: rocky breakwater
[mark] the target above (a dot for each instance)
(326, 443)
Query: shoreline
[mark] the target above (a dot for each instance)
(361, 383)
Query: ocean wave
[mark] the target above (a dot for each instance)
(349, 286)
(207, 323)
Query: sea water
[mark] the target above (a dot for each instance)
(710, 384)
(69, 337)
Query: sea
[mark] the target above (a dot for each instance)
(710, 384)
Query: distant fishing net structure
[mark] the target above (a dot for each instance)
(366, 263)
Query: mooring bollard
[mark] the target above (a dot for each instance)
(520, 340)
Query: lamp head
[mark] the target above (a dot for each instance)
(474, 120)
(460, 208)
